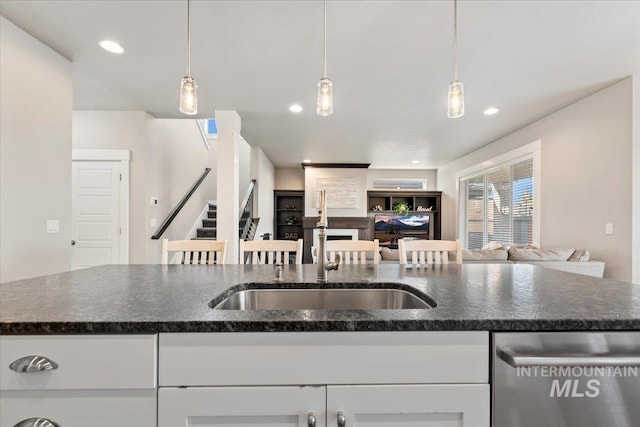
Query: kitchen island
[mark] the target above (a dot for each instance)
(139, 345)
(145, 299)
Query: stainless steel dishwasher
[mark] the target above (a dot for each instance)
(566, 379)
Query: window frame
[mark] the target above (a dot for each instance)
(529, 151)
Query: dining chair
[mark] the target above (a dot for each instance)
(427, 252)
(194, 251)
(354, 251)
(270, 251)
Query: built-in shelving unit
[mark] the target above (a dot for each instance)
(427, 203)
(288, 213)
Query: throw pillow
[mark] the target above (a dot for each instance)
(525, 246)
(493, 245)
(586, 256)
(577, 254)
(390, 254)
(517, 254)
(481, 255)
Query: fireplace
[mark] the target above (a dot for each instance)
(340, 228)
(332, 237)
(337, 234)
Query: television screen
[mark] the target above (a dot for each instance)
(393, 223)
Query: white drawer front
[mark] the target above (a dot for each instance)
(201, 359)
(84, 362)
(72, 408)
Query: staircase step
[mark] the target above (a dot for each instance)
(212, 214)
(209, 222)
(206, 232)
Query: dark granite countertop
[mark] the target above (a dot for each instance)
(175, 298)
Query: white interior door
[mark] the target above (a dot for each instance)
(96, 228)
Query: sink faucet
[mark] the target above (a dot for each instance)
(323, 263)
(277, 269)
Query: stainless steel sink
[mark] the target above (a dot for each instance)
(322, 299)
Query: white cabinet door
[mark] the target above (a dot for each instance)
(241, 406)
(438, 405)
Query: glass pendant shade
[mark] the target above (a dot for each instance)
(189, 96)
(325, 97)
(456, 100)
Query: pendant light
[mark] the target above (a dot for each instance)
(188, 86)
(325, 87)
(456, 88)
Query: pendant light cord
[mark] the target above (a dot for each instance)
(188, 39)
(325, 39)
(455, 40)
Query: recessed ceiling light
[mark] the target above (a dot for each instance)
(490, 111)
(295, 108)
(110, 46)
(306, 161)
(415, 162)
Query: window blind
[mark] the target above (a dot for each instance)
(499, 205)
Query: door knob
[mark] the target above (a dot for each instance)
(73, 243)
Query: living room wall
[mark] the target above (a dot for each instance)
(289, 179)
(586, 180)
(35, 156)
(120, 130)
(263, 172)
(176, 157)
(363, 179)
(167, 156)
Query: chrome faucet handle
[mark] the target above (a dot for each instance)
(334, 264)
(278, 272)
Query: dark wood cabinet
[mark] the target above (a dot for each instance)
(421, 203)
(287, 216)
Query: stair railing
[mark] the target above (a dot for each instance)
(172, 215)
(246, 209)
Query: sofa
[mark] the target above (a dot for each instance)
(570, 260)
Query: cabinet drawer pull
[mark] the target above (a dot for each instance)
(33, 364)
(342, 420)
(311, 419)
(37, 422)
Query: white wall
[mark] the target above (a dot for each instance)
(293, 178)
(364, 181)
(122, 130)
(289, 179)
(263, 172)
(167, 157)
(35, 156)
(176, 157)
(311, 174)
(244, 173)
(429, 174)
(586, 176)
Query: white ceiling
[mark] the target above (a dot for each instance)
(390, 62)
